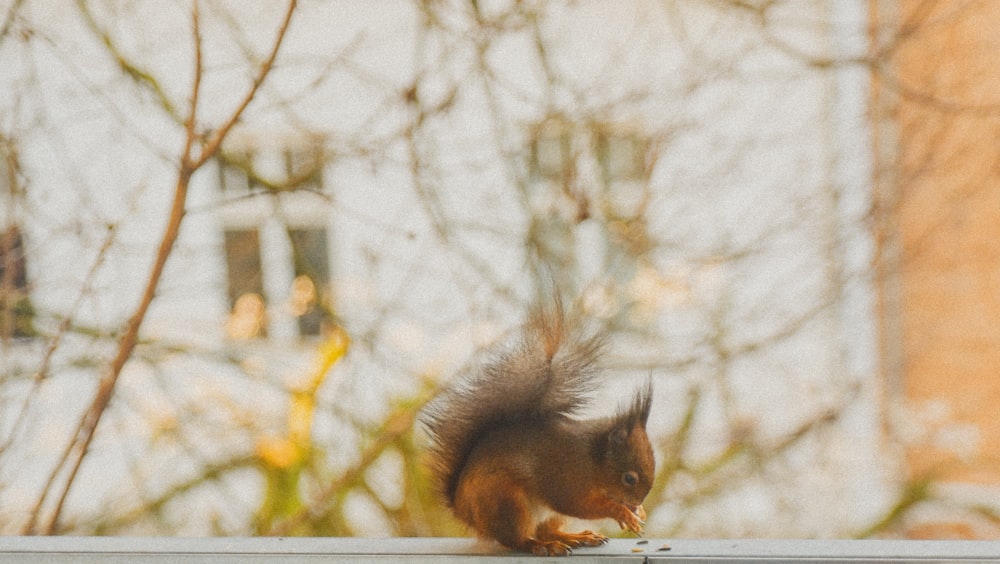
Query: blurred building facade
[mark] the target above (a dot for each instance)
(699, 173)
(936, 111)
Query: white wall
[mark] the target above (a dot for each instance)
(754, 290)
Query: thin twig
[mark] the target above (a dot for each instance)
(85, 431)
(8, 23)
(215, 142)
(56, 340)
(394, 426)
(141, 76)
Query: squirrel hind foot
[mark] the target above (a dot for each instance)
(562, 544)
(547, 547)
(583, 538)
(549, 530)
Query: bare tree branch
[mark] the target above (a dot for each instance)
(86, 429)
(213, 144)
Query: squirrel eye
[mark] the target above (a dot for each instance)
(630, 478)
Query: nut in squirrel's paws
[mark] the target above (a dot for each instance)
(640, 512)
(632, 518)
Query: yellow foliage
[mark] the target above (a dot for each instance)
(278, 452)
(284, 457)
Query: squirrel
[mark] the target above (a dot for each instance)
(505, 446)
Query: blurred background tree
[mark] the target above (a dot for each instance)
(365, 198)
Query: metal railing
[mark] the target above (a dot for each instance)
(111, 550)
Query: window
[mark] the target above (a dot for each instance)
(559, 147)
(16, 311)
(307, 300)
(304, 167)
(234, 172)
(281, 170)
(621, 155)
(552, 151)
(276, 243)
(312, 278)
(248, 315)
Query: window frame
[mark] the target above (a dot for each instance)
(281, 209)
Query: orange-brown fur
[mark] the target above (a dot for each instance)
(506, 445)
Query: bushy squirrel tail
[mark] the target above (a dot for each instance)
(550, 371)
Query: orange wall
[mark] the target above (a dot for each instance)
(938, 97)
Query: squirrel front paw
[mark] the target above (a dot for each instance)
(631, 519)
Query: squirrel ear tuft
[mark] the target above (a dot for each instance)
(637, 414)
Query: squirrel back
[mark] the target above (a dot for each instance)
(550, 372)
